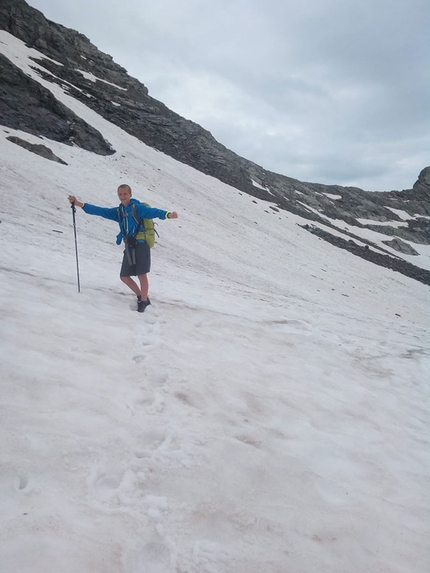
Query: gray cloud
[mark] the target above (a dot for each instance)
(327, 91)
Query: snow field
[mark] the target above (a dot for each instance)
(269, 411)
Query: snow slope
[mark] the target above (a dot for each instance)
(269, 412)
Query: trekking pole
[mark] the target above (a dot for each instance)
(76, 244)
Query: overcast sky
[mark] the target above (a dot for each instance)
(328, 91)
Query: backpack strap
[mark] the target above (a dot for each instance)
(136, 218)
(121, 222)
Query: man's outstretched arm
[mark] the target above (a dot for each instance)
(105, 212)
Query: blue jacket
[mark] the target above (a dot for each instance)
(124, 216)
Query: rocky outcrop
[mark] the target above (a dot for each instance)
(95, 79)
(36, 148)
(365, 252)
(421, 187)
(401, 247)
(26, 105)
(53, 40)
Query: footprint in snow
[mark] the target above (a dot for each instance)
(292, 326)
(22, 483)
(153, 557)
(105, 486)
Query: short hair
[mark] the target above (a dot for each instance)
(125, 186)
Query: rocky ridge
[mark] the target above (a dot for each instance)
(91, 76)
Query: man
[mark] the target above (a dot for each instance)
(137, 253)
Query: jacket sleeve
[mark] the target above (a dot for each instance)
(105, 212)
(144, 212)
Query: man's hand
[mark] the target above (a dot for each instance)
(73, 199)
(172, 215)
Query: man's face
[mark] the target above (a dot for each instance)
(124, 195)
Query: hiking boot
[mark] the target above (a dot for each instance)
(142, 304)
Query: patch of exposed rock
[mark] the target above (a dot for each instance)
(401, 247)
(365, 252)
(421, 187)
(36, 148)
(28, 106)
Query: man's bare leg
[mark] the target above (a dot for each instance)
(133, 285)
(144, 286)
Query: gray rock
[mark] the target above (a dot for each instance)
(28, 106)
(422, 185)
(38, 149)
(401, 247)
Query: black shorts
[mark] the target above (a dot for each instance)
(143, 262)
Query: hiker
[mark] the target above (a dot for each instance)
(137, 253)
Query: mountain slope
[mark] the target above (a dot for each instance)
(95, 79)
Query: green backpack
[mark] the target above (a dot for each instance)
(145, 227)
(147, 231)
